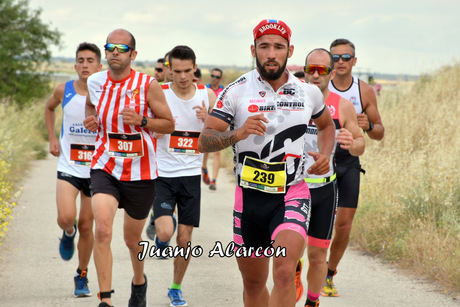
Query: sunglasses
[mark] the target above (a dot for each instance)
(158, 69)
(345, 57)
(122, 48)
(216, 77)
(321, 69)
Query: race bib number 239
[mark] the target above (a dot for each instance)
(269, 177)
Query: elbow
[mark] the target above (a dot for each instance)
(201, 148)
(357, 152)
(378, 136)
(171, 127)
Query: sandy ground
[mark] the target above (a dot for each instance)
(33, 274)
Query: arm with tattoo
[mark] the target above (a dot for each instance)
(212, 140)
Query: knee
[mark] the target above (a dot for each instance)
(103, 233)
(182, 240)
(343, 227)
(85, 227)
(66, 222)
(132, 243)
(317, 258)
(284, 275)
(253, 285)
(163, 234)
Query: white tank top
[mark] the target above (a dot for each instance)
(75, 135)
(353, 94)
(333, 103)
(177, 153)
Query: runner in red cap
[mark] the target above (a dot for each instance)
(267, 110)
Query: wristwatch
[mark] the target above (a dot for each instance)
(144, 121)
(371, 126)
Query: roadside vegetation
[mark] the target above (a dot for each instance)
(24, 51)
(409, 209)
(22, 140)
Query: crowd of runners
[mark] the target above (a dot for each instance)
(140, 143)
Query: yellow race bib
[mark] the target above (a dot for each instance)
(269, 177)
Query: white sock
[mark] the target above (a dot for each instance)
(72, 234)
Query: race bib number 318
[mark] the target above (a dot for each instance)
(81, 154)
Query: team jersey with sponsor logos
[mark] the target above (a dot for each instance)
(126, 152)
(333, 103)
(76, 142)
(177, 153)
(288, 111)
(353, 94)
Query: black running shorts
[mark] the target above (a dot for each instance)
(323, 206)
(183, 191)
(348, 180)
(135, 197)
(81, 184)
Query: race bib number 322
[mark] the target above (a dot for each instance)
(269, 177)
(126, 145)
(184, 142)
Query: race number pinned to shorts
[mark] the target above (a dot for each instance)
(81, 154)
(269, 177)
(126, 145)
(185, 142)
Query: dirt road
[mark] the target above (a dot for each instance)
(33, 274)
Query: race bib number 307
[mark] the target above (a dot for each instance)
(126, 145)
(81, 154)
(184, 142)
(269, 177)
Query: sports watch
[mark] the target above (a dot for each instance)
(371, 126)
(144, 121)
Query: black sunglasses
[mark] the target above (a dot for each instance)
(159, 69)
(216, 77)
(345, 57)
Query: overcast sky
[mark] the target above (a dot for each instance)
(405, 36)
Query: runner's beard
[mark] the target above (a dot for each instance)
(271, 75)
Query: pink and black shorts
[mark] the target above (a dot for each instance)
(258, 216)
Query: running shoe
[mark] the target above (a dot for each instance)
(212, 185)
(161, 246)
(329, 289)
(175, 295)
(66, 246)
(204, 175)
(81, 285)
(309, 303)
(138, 295)
(151, 231)
(298, 280)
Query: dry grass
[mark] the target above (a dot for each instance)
(21, 140)
(409, 206)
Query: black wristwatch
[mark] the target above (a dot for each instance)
(144, 121)
(371, 126)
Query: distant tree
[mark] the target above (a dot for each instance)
(24, 48)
